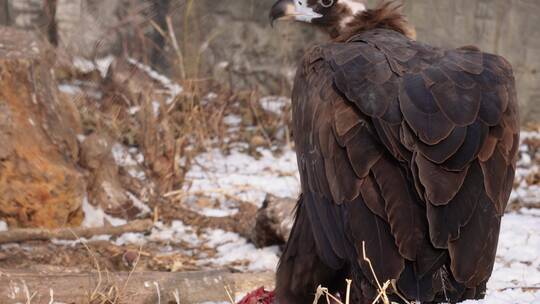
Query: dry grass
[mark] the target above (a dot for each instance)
(388, 287)
(189, 123)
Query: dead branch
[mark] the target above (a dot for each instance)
(34, 234)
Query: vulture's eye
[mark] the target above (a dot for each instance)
(326, 3)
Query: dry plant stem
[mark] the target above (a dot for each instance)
(134, 267)
(229, 294)
(396, 291)
(322, 291)
(382, 295)
(348, 294)
(96, 263)
(176, 295)
(258, 121)
(34, 234)
(27, 294)
(370, 265)
(176, 47)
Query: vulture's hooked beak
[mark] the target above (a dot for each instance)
(283, 9)
(289, 10)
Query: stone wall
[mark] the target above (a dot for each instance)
(505, 27)
(237, 44)
(253, 53)
(231, 40)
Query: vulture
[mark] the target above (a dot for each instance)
(407, 154)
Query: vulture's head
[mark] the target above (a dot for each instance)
(341, 18)
(331, 15)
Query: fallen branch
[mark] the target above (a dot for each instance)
(35, 234)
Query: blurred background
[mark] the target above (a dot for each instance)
(230, 41)
(165, 123)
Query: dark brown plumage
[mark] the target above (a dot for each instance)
(408, 148)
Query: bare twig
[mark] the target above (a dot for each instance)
(229, 294)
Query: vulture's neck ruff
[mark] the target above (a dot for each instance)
(386, 16)
(342, 19)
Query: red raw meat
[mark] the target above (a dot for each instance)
(259, 296)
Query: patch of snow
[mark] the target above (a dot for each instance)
(96, 217)
(131, 159)
(232, 120)
(139, 157)
(530, 211)
(518, 258)
(173, 89)
(509, 296)
(121, 156)
(529, 135)
(244, 176)
(212, 212)
(70, 89)
(134, 110)
(101, 65)
(155, 108)
(275, 104)
(517, 265)
(83, 65)
(93, 216)
(527, 166)
(222, 65)
(233, 248)
(144, 209)
(3, 226)
(73, 243)
(131, 238)
(140, 175)
(176, 233)
(208, 98)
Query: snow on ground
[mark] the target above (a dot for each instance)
(232, 248)
(528, 169)
(87, 66)
(243, 176)
(131, 159)
(275, 104)
(173, 89)
(3, 226)
(517, 267)
(96, 217)
(175, 233)
(516, 275)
